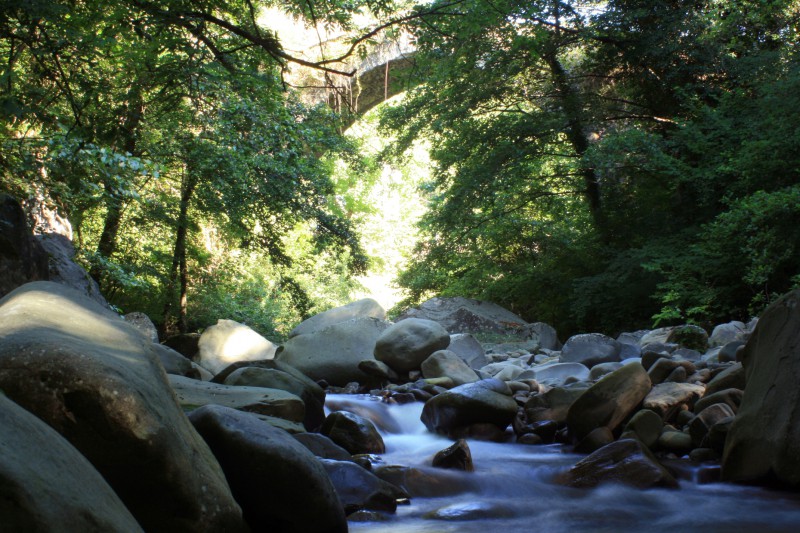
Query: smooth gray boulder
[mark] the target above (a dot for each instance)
(467, 347)
(444, 363)
(405, 345)
(764, 442)
(333, 354)
(192, 393)
(590, 349)
(272, 378)
(732, 331)
(543, 334)
(666, 399)
(366, 308)
(143, 323)
(97, 381)
(228, 341)
(487, 401)
(175, 363)
(609, 401)
(280, 485)
(553, 404)
(47, 485)
(557, 373)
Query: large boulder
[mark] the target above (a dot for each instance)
(175, 363)
(464, 315)
(487, 401)
(366, 308)
(143, 323)
(22, 258)
(609, 401)
(287, 378)
(558, 373)
(728, 332)
(543, 334)
(358, 488)
(333, 354)
(228, 342)
(63, 268)
(764, 442)
(553, 404)
(280, 485)
(47, 485)
(666, 399)
(96, 380)
(444, 363)
(405, 345)
(590, 349)
(193, 393)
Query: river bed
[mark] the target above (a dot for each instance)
(511, 490)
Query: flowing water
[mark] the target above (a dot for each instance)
(511, 490)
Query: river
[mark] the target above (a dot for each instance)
(511, 490)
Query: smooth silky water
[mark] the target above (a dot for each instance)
(511, 490)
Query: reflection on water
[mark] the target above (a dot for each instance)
(511, 491)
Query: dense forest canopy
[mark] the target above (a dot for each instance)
(595, 165)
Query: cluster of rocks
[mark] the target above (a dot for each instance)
(107, 429)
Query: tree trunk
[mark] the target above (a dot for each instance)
(188, 185)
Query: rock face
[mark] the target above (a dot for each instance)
(464, 315)
(95, 380)
(280, 485)
(625, 461)
(764, 441)
(333, 354)
(22, 258)
(609, 401)
(590, 349)
(47, 485)
(228, 342)
(487, 401)
(366, 308)
(405, 345)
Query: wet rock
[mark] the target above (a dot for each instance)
(359, 488)
(352, 432)
(96, 380)
(227, 342)
(192, 394)
(444, 363)
(406, 344)
(609, 401)
(456, 457)
(427, 482)
(334, 353)
(590, 349)
(47, 485)
(677, 442)
(272, 378)
(728, 353)
(718, 433)
(471, 511)
(486, 401)
(625, 461)
(365, 308)
(280, 485)
(764, 441)
(663, 368)
(666, 399)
